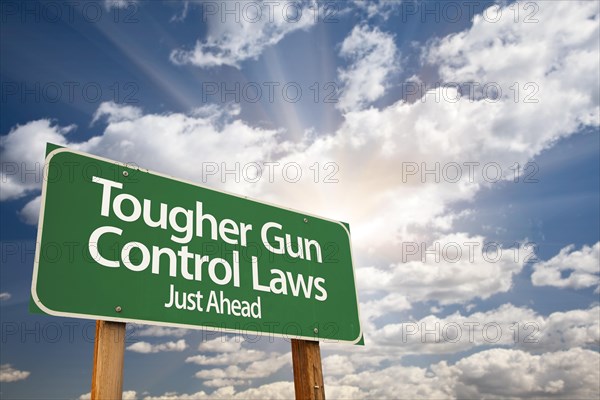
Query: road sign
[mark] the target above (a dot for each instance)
(120, 243)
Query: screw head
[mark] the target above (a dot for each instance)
(125, 173)
(316, 330)
(305, 220)
(118, 309)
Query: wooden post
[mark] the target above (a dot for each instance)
(308, 373)
(109, 349)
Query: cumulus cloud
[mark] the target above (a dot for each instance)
(222, 344)
(395, 335)
(4, 296)
(454, 269)
(494, 373)
(31, 212)
(505, 326)
(127, 395)
(109, 4)
(582, 268)
(468, 143)
(412, 382)
(146, 348)
(159, 331)
(496, 52)
(22, 152)
(9, 374)
(401, 206)
(502, 373)
(246, 35)
(377, 8)
(337, 365)
(242, 356)
(257, 369)
(392, 302)
(373, 58)
(230, 353)
(175, 136)
(373, 147)
(116, 113)
(270, 391)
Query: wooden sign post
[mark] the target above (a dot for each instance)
(109, 350)
(308, 372)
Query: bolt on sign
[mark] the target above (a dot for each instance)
(125, 244)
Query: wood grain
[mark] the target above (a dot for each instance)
(308, 372)
(109, 349)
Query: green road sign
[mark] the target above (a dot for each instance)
(125, 244)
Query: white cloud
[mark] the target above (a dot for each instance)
(159, 331)
(233, 355)
(582, 266)
(270, 391)
(373, 58)
(127, 395)
(505, 326)
(563, 330)
(222, 344)
(501, 373)
(9, 374)
(392, 302)
(336, 365)
(559, 52)
(116, 113)
(399, 208)
(374, 8)
(259, 25)
(411, 382)
(494, 373)
(182, 15)
(109, 4)
(273, 391)
(145, 347)
(4, 296)
(177, 140)
(241, 356)
(454, 269)
(257, 369)
(22, 152)
(371, 148)
(31, 212)
(224, 382)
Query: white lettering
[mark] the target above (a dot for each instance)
(93, 245)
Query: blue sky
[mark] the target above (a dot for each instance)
(371, 88)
